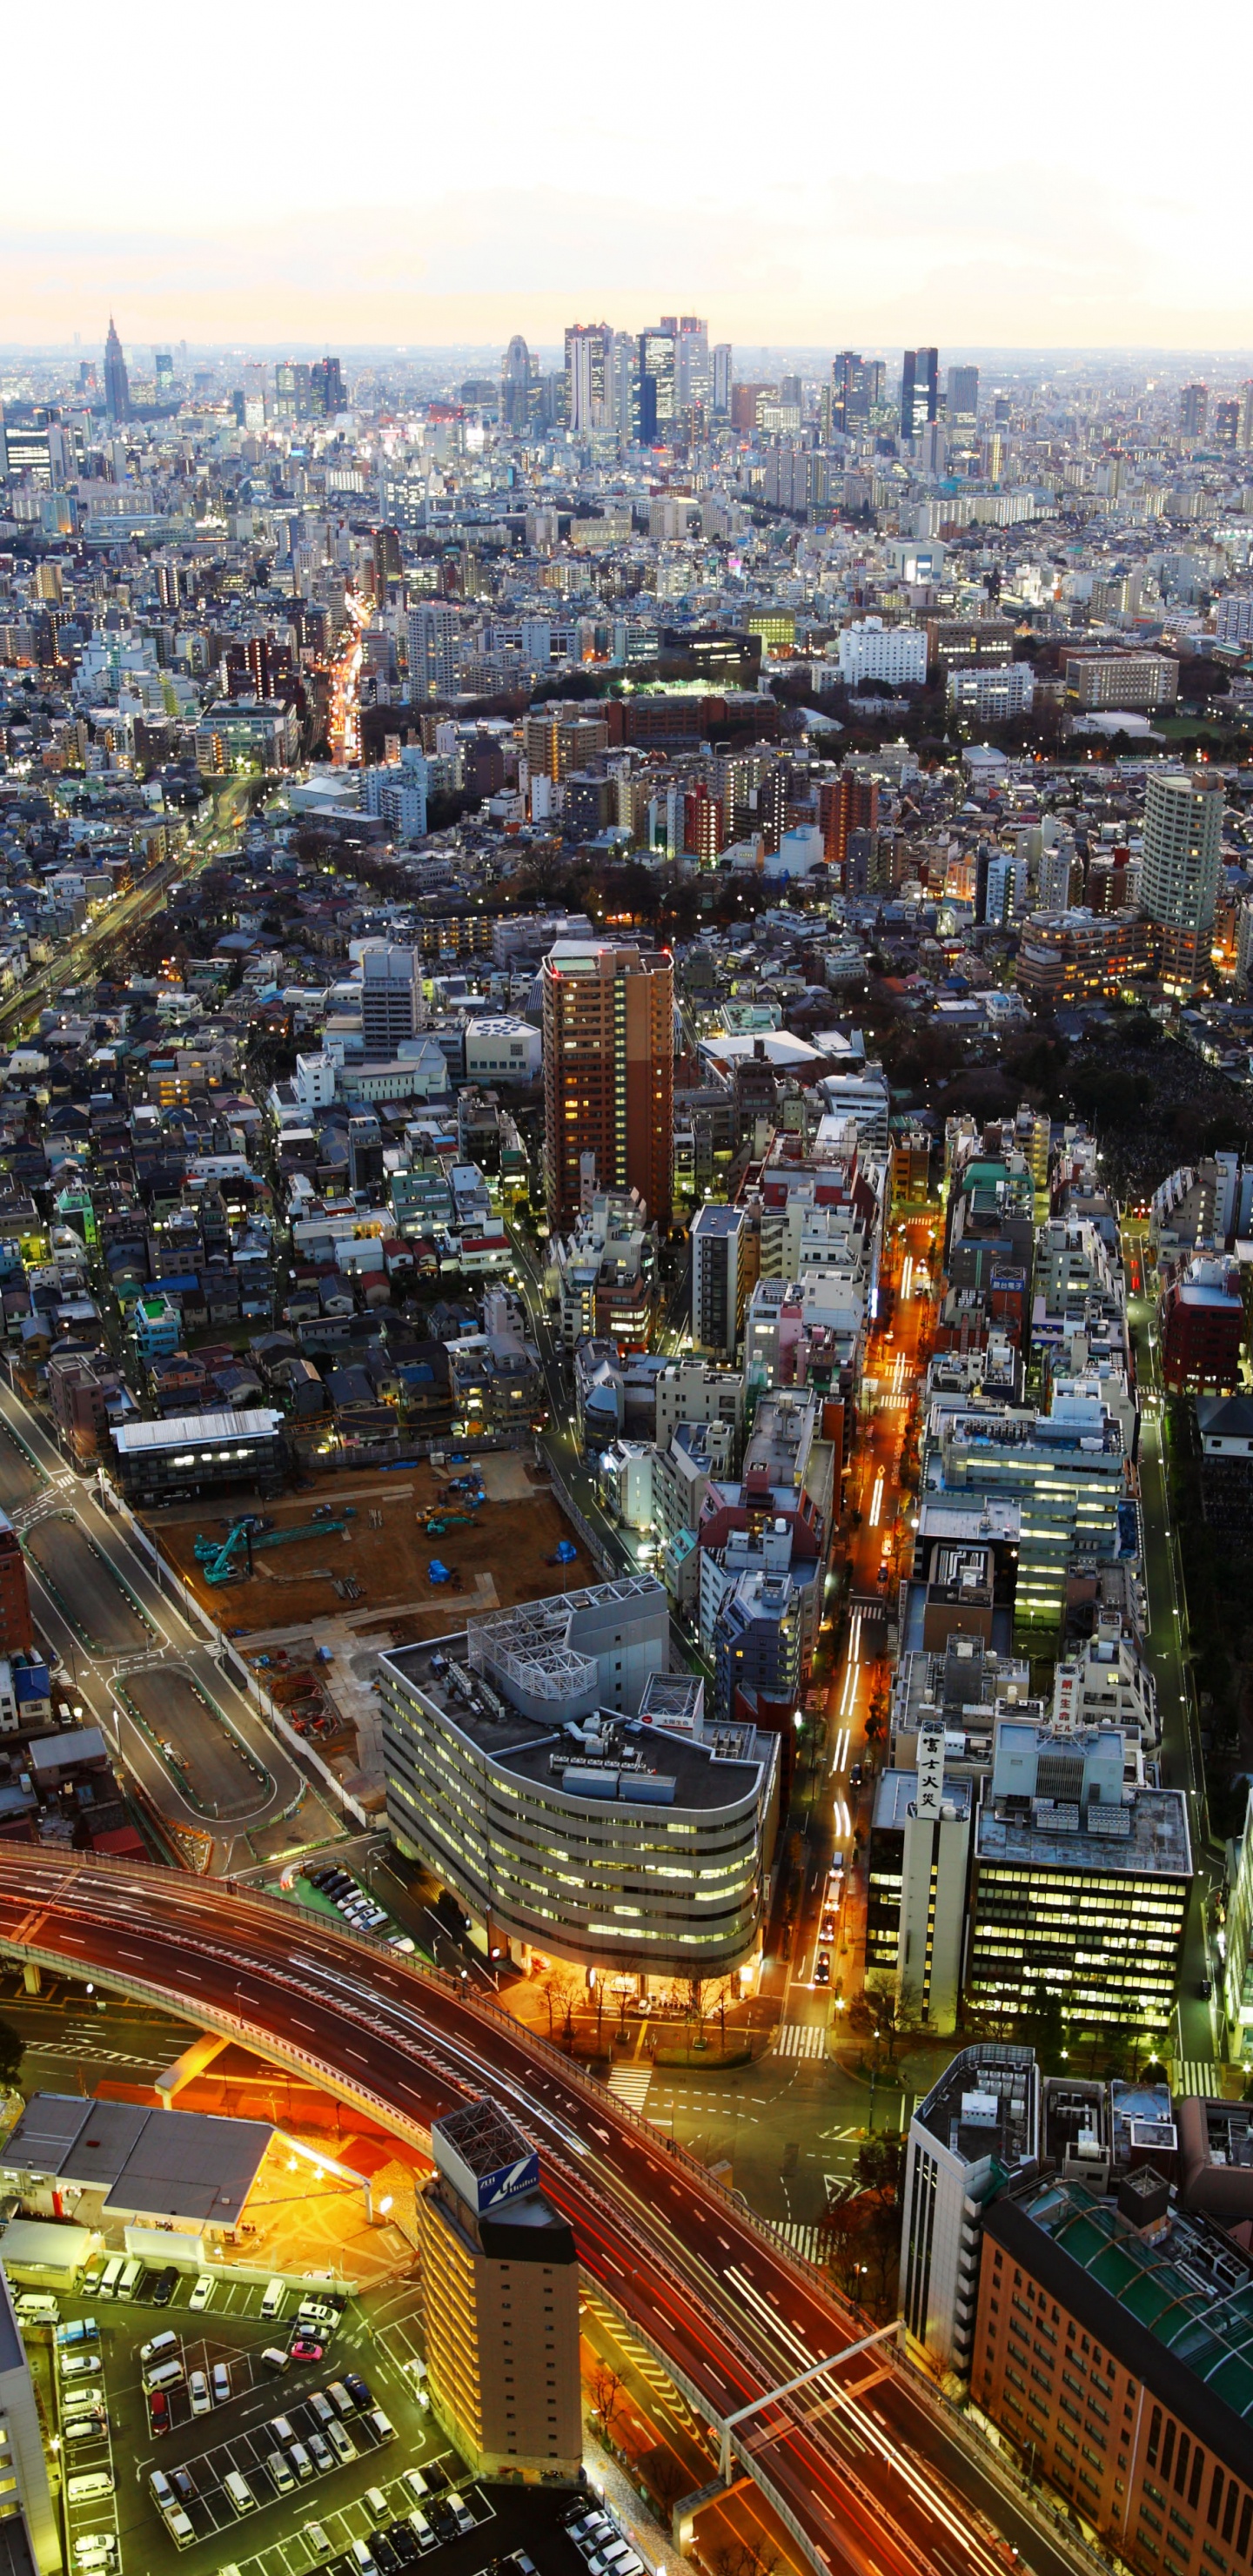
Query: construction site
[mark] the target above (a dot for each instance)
(399, 1550)
(309, 1589)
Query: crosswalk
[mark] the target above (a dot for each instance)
(800, 2039)
(1197, 2075)
(802, 2237)
(631, 2084)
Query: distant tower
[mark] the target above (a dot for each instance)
(117, 391)
(515, 384)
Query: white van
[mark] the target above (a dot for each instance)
(359, 2558)
(276, 2292)
(165, 2374)
(35, 2308)
(89, 2484)
(82, 2428)
(161, 2347)
(111, 2275)
(129, 2280)
(179, 2527)
(239, 2491)
(279, 2471)
(321, 2407)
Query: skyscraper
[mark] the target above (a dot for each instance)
(326, 387)
(1179, 868)
(117, 390)
(961, 400)
(655, 387)
(850, 389)
(920, 390)
(1193, 407)
(608, 1074)
(517, 376)
(432, 636)
(588, 349)
(721, 363)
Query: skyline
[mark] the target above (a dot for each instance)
(983, 197)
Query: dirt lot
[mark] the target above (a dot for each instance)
(500, 1554)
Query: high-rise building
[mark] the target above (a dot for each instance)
(17, 1634)
(291, 389)
(692, 379)
(117, 390)
(846, 804)
(1227, 424)
(589, 348)
(518, 378)
(500, 2276)
(432, 634)
(920, 390)
(608, 1075)
(655, 386)
(326, 388)
(721, 366)
(722, 1274)
(1110, 2350)
(961, 401)
(391, 998)
(163, 370)
(979, 2124)
(850, 390)
(1179, 869)
(1193, 408)
(1244, 439)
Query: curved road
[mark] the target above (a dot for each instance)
(877, 2485)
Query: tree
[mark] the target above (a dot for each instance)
(12, 2051)
(665, 2475)
(606, 2391)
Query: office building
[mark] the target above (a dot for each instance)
(1100, 682)
(1193, 408)
(519, 386)
(432, 634)
(500, 2279)
(391, 998)
(1111, 2349)
(1179, 869)
(519, 1771)
(291, 389)
(920, 391)
(1079, 1885)
(977, 2126)
(17, 1635)
(655, 387)
(850, 391)
(917, 1877)
(1202, 1324)
(326, 388)
(989, 696)
(720, 360)
(723, 1240)
(589, 350)
(961, 400)
(608, 1022)
(869, 650)
(117, 391)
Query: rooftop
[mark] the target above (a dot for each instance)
(1157, 1844)
(985, 2105)
(170, 2164)
(1176, 2307)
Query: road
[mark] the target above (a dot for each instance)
(201, 1755)
(91, 946)
(876, 2484)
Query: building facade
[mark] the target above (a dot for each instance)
(608, 1024)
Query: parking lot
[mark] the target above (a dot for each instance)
(374, 2339)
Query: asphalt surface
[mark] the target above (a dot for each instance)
(717, 2298)
(130, 1656)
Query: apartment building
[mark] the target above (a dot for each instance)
(608, 1023)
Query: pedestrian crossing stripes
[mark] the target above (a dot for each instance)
(800, 2039)
(1197, 2075)
(631, 2084)
(802, 2238)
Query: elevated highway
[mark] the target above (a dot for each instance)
(876, 2483)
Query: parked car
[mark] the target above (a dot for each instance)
(159, 2411)
(203, 2291)
(221, 2383)
(198, 2392)
(303, 2348)
(163, 2286)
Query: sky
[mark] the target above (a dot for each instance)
(821, 174)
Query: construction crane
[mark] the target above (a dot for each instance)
(218, 1556)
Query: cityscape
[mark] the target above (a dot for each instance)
(626, 1454)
